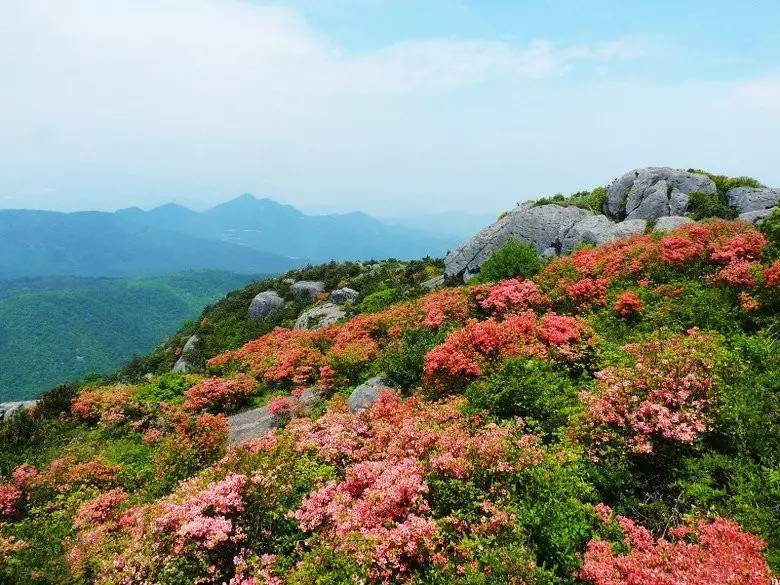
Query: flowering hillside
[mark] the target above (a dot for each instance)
(614, 419)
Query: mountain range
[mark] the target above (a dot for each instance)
(245, 235)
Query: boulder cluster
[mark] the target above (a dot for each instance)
(654, 194)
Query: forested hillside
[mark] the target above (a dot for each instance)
(57, 329)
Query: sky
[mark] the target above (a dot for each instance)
(391, 107)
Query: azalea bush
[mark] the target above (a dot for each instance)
(705, 552)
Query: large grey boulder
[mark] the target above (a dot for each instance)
(183, 364)
(8, 408)
(756, 216)
(264, 304)
(307, 288)
(670, 223)
(344, 295)
(544, 227)
(597, 229)
(320, 316)
(747, 199)
(630, 227)
(654, 192)
(367, 393)
(251, 424)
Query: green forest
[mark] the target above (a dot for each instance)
(57, 329)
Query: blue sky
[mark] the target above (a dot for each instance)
(391, 107)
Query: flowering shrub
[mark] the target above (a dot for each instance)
(707, 552)
(628, 304)
(377, 514)
(514, 296)
(9, 498)
(588, 292)
(481, 345)
(772, 274)
(100, 509)
(739, 273)
(667, 393)
(104, 404)
(196, 523)
(219, 393)
(63, 474)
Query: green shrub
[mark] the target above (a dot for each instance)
(706, 205)
(529, 388)
(724, 183)
(593, 200)
(379, 300)
(402, 362)
(514, 258)
(770, 227)
(168, 387)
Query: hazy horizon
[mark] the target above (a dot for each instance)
(383, 107)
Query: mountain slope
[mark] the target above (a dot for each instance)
(599, 418)
(40, 243)
(57, 329)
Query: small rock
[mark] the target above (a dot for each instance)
(183, 364)
(320, 316)
(747, 199)
(367, 393)
(8, 408)
(307, 288)
(756, 216)
(670, 223)
(264, 304)
(309, 396)
(251, 424)
(344, 295)
(433, 283)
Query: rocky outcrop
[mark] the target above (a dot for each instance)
(320, 316)
(756, 216)
(183, 364)
(670, 223)
(544, 227)
(654, 192)
(344, 295)
(307, 288)
(254, 423)
(264, 304)
(367, 393)
(433, 283)
(8, 408)
(251, 424)
(596, 229)
(749, 199)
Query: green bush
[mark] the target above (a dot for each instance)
(770, 227)
(724, 183)
(514, 258)
(168, 387)
(402, 362)
(379, 300)
(529, 388)
(593, 200)
(706, 205)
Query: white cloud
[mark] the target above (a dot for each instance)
(120, 102)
